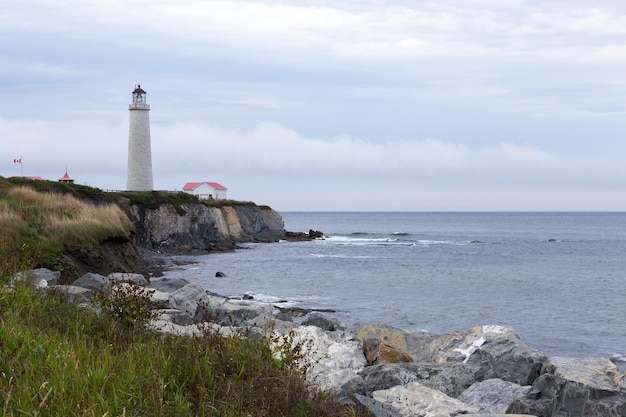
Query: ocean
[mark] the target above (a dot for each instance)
(558, 279)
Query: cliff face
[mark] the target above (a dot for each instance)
(203, 228)
(107, 257)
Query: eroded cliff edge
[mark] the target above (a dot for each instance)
(196, 227)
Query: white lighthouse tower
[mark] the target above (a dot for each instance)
(139, 176)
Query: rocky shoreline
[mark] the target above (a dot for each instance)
(483, 371)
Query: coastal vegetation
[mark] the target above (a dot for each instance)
(58, 358)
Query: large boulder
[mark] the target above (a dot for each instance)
(40, 277)
(493, 395)
(413, 343)
(597, 373)
(449, 363)
(370, 406)
(385, 376)
(416, 400)
(129, 277)
(75, 294)
(486, 352)
(328, 362)
(233, 312)
(377, 352)
(167, 284)
(174, 316)
(92, 281)
(324, 322)
(571, 387)
(160, 299)
(190, 299)
(498, 415)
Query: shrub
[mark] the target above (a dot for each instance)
(126, 304)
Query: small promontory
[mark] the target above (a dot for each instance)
(76, 229)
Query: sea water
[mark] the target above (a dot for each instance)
(558, 279)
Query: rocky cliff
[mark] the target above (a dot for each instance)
(197, 227)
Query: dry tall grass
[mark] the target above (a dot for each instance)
(44, 223)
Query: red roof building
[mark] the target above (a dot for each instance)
(206, 190)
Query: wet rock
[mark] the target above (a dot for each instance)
(301, 236)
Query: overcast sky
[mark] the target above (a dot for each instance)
(327, 105)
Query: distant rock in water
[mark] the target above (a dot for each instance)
(315, 234)
(301, 236)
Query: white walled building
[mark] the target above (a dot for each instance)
(139, 171)
(206, 190)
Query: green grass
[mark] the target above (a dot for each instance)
(56, 359)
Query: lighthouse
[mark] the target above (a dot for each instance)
(139, 175)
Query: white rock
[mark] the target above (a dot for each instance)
(416, 400)
(196, 329)
(188, 298)
(133, 278)
(326, 362)
(160, 299)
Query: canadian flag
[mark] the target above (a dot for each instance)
(17, 161)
